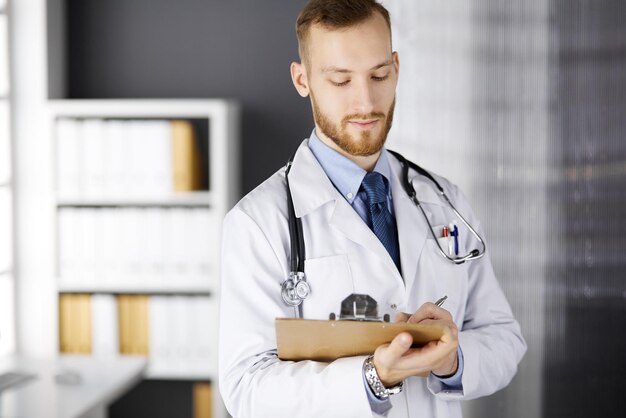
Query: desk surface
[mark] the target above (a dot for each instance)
(102, 381)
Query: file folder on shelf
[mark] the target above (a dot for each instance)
(319, 340)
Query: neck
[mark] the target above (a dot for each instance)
(366, 162)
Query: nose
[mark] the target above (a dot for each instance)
(363, 98)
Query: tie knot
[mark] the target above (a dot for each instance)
(375, 187)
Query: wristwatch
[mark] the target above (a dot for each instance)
(374, 382)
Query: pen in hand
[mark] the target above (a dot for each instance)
(438, 303)
(441, 301)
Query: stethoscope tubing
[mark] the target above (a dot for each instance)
(472, 255)
(410, 190)
(297, 246)
(298, 254)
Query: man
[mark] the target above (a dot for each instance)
(357, 244)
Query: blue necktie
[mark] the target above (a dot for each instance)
(383, 224)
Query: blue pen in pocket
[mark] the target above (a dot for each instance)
(454, 232)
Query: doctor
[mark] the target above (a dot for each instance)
(363, 234)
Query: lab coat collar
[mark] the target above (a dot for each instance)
(412, 227)
(310, 186)
(345, 174)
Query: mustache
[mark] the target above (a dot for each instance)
(364, 116)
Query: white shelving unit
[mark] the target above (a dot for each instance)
(134, 289)
(223, 172)
(179, 200)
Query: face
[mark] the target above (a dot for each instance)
(351, 76)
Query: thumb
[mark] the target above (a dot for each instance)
(400, 345)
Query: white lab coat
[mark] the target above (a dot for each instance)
(343, 256)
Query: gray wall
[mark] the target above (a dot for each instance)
(586, 295)
(239, 49)
(473, 106)
(523, 104)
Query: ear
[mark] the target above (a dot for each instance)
(396, 62)
(299, 78)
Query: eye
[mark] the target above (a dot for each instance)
(340, 84)
(381, 78)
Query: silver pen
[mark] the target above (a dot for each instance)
(441, 301)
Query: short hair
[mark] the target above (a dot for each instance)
(334, 14)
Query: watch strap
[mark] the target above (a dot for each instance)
(374, 382)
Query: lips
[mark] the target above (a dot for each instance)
(363, 123)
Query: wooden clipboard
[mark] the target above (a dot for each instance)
(319, 340)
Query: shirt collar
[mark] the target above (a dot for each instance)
(345, 175)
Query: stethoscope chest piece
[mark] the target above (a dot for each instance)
(295, 289)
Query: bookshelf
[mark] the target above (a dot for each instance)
(142, 261)
(200, 198)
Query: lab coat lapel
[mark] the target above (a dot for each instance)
(412, 227)
(349, 223)
(309, 184)
(311, 188)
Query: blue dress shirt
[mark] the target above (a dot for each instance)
(347, 176)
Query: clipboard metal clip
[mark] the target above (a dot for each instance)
(359, 307)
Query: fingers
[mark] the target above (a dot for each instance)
(417, 361)
(396, 361)
(426, 311)
(399, 351)
(402, 317)
(450, 330)
(429, 311)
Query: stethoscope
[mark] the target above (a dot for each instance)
(295, 288)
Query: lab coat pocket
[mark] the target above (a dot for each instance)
(447, 278)
(450, 245)
(331, 282)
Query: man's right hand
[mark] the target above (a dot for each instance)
(396, 361)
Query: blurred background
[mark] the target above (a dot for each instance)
(522, 104)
